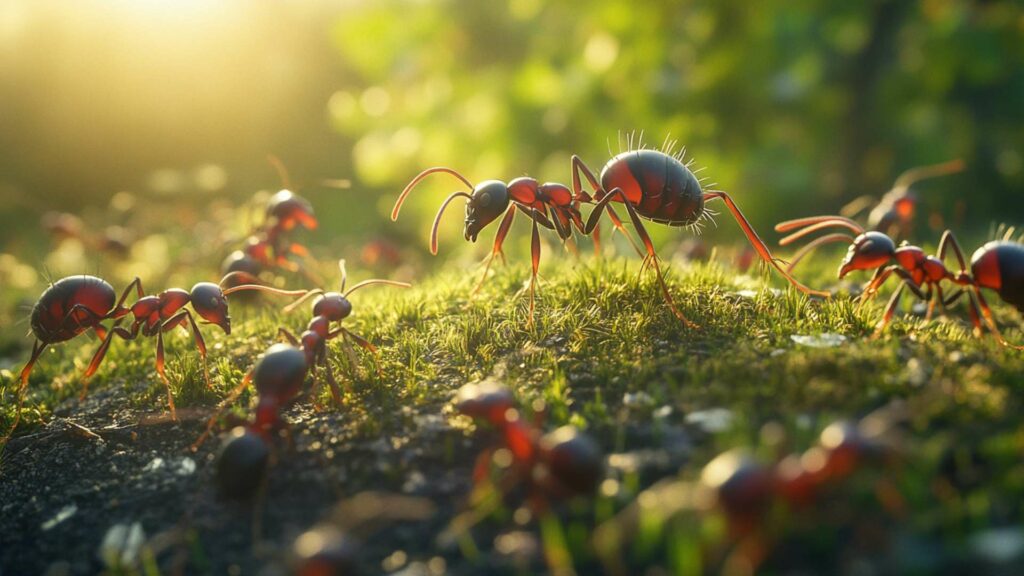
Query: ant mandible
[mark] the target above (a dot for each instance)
(998, 266)
(76, 304)
(651, 184)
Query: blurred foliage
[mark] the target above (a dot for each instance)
(794, 107)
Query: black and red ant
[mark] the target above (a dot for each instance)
(998, 266)
(651, 184)
(269, 374)
(328, 308)
(268, 246)
(558, 464)
(77, 304)
(892, 216)
(278, 376)
(894, 212)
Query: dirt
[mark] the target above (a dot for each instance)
(63, 488)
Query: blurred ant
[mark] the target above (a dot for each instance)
(998, 266)
(749, 493)
(651, 184)
(894, 212)
(63, 225)
(268, 246)
(893, 215)
(557, 464)
(77, 304)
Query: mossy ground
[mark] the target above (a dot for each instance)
(604, 353)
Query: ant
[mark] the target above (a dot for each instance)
(750, 494)
(278, 375)
(77, 304)
(998, 266)
(559, 464)
(61, 226)
(894, 213)
(267, 246)
(327, 308)
(651, 184)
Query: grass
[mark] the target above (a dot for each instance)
(604, 353)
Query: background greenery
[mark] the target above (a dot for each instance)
(794, 107)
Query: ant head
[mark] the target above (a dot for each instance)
(869, 251)
(210, 303)
(487, 400)
(242, 464)
(287, 210)
(333, 305)
(490, 199)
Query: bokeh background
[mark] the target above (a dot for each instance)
(158, 116)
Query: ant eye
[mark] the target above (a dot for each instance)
(485, 199)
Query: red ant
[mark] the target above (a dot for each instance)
(329, 307)
(278, 376)
(62, 225)
(268, 247)
(558, 464)
(894, 213)
(651, 184)
(998, 265)
(76, 304)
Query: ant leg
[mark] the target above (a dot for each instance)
(811, 246)
(333, 383)
(119, 309)
(578, 167)
(948, 241)
(163, 375)
(759, 244)
(363, 343)
(645, 238)
(287, 335)
(990, 320)
(499, 239)
(37, 349)
(200, 344)
(102, 351)
(535, 263)
(220, 410)
(890, 309)
(871, 289)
